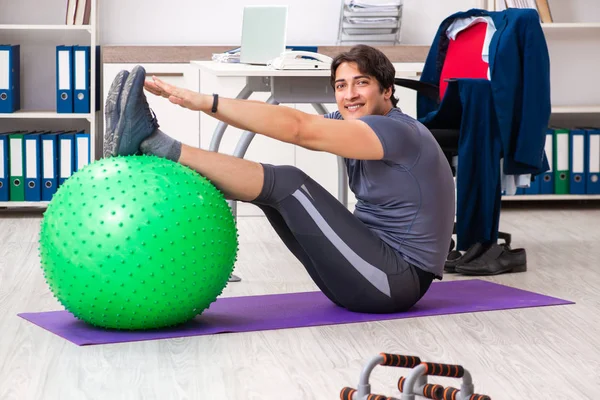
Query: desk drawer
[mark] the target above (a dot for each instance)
(303, 90)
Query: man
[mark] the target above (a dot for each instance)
(382, 258)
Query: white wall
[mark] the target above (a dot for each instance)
(569, 11)
(201, 22)
(219, 22)
(209, 22)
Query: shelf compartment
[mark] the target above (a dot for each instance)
(592, 109)
(45, 27)
(546, 197)
(24, 204)
(570, 25)
(21, 114)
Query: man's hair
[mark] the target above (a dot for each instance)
(370, 61)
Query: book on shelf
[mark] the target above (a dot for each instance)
(541, 6)
(78, 12)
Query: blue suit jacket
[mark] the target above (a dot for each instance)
(520, 86)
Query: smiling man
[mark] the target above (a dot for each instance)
(380, 259)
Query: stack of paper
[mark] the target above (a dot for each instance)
(374, 5)
(370, 21)
(231, 56)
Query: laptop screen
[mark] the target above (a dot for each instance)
(264, 31)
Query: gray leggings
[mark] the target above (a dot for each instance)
(351, 265)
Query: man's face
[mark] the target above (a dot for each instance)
(357, 94)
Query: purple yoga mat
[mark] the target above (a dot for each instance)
(294, 310)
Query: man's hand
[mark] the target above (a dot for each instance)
(176, 95)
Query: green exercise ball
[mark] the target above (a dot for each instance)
(136, 243)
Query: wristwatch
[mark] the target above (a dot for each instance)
(215, 103)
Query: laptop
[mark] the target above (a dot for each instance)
(264, 31)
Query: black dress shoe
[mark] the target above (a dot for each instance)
(497, 259)
(456, 258)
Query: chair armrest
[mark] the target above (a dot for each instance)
(428, 89)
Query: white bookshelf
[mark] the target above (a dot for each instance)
(39, 30)
(573, 40)
(42, 27)
(45, 115)
(576, 109)
(551, 197)
(563, 26)
(23, 204)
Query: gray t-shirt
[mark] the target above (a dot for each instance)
(407, 198)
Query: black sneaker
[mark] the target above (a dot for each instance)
(136, 120)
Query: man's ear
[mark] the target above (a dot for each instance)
(387, 93)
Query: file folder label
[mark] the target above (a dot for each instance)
(33, 190)
(83, 150)
(65, 159)
(3, 172)
(30, 162)
(48, 153)
(562, 159)
(16, 157)
(594, 154)
(64, 73)
(549, 147)
(4, 70)
(4, 176)
(80, 70)
(578, 154)
(578, 179)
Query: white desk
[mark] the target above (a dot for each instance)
(285, 86)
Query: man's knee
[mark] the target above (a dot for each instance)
(289, 172)
(280, 181)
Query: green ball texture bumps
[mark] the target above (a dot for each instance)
(136, 243)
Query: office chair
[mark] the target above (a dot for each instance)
(462, 57)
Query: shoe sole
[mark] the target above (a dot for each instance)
(128, 88)
(516, 269)
(112, 111)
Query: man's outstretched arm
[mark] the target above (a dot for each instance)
(350, 139)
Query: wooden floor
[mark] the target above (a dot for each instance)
(538, 353)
